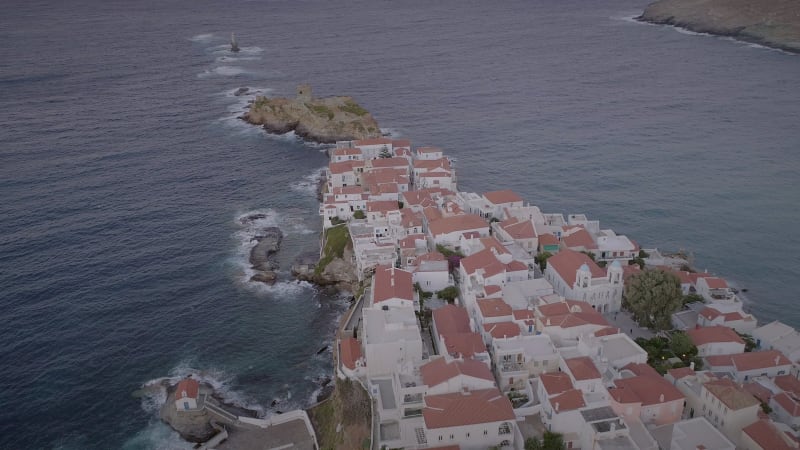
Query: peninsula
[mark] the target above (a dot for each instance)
(773, 23)
(323, 120)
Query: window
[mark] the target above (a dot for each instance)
(451, 436)
(485, 432)
(440, 438)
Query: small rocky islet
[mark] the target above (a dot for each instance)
(322, 120)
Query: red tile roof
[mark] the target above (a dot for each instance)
(555, 383)
(467, 408)
(518, 229)
(766, 435)
(758, 391)
(392, 283)
(494, 307)
(568, 401)
(372, 141)
(651, 390)
(464, 345)
(428, 149)
(350, 352)
(522, 314)
(547, 239)
(451, 319)
(681, 372)
(582, 368)
(431, 164)
(641, 369)
(502, 197)
(567, 262)
(580, 238)
(715, 283)
(502, 330)
(463, 222)
(568, 314)
(729, 393)
(439, 370)
(608, 331)
(622, 395)
(789, 404)
(337, 168)
(479, 260)
(707, 335)
(347, 151)
(759, 360)
(389, 162)
(187, 388)
(382, 206)
(788, 383)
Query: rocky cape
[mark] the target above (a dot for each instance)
(773, 23)
(323, 120)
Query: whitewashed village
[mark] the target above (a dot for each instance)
(486, 323)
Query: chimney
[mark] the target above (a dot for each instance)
(691, 365)
(661, 398)
(556, 408)
(613, 426)
(777, 359)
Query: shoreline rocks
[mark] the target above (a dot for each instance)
(772, 23)
(323, 120)
(262, 255)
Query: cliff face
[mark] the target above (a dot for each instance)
(774, 23)
(325, 120)
(336, 265)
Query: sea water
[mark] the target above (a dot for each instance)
(124, 171)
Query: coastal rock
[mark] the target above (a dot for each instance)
(773, 23)
(267, 277)
(241, 91)
(269, 242)
(324, 120)
(193, 426)
(339, 272)
(304, 265)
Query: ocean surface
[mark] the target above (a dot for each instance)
(124, 172)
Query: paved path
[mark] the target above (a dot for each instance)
(624, 321)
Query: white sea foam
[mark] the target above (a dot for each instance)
(391, 132)
(689, 32)
(308, 184)
(204, 38)
(223, 71)
(157, 436)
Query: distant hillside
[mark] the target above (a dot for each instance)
(774, 23)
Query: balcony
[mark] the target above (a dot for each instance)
(511, 366)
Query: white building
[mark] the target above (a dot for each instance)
(186, 394)
(727, 314)
(443, 377)
(575, 276)
(447, 231)
(451, 419)
(746, 366)
(519, 358)
(778, 336)
(391, 340)
(716, 340)
(431, 272)
(728, 407)
(692, 434)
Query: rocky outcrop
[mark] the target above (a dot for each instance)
(339, 272)
(193, 426)
(774, 23)
(324, 120)
(262, 255)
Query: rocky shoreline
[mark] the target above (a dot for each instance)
(772, 23)
(322, 120)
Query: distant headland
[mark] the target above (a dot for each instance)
(773, 23)
(324, 120)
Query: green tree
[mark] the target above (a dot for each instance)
(551, 441)
(450, 293)
(541, 259)
(384, 153)
(693, 298)
(653, 296)
(682, 346)
(359, 214)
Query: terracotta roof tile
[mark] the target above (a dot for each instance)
(681, 372)
(568, 401)
(439, 370)
(494, 307)
(187, 388)
(555, 383)
(580, 238)
(451, 319)
(502, 197)
(463, 222)
(467, 408)
(788, 383)
(567, 262)
(464, 345)
(372, 141)
(351, 352)
(582, 368)
(708, 335)
(651, 390)
(502, 330)
(766, 435)
(392, 283)
(790, 405)
(729, 393)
